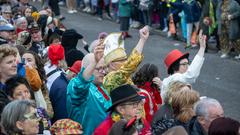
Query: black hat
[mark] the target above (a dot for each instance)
(70, 39)
(72, 56)
(124, 93)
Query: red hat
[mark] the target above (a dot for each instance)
(55, 53)
(76, 67)
(173, 56)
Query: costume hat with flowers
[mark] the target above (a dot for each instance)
(66, 127)
(124, 93)
(114, 48)
(23, 38)
(76, 67)
(55, 53)
(172, 57)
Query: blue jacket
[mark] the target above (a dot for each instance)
(192, 10)
(58, 97)
(86, 104)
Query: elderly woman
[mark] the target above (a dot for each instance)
(20, 117)
(21, 24)
(228, 12)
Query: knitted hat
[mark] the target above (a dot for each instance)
(102, 35)
(124, 93)
(24, 38)
(114, 48)
(55, 53)
(76, 67)
(66, 127)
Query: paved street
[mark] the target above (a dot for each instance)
(219, 78)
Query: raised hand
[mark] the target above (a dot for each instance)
(202, 39)
(144, 32)
(157, 81)
(98, 51)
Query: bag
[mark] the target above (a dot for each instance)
(172, 28)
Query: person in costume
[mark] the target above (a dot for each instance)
(126, 104)
(87, 100)
(119, 67)
(180, 69)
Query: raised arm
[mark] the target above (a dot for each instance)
(144, 34)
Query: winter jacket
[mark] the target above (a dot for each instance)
(58, 99)
(125, 8)
(234, 10)
(191, 9)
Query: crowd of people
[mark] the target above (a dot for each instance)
(180, 19)
(48, 86)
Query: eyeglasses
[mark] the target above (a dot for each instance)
(185, 63)
(32, 116)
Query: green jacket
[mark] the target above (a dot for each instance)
(125, 8)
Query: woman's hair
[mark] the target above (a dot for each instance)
(182, 104)
(20, 20)
(14, 112)
(145, 74)
(7, 50)
(14, 82)
(175, 66)
(174, 87)
(119, 128)
(224, 126)
(40, 65)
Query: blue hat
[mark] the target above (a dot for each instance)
(5, 26)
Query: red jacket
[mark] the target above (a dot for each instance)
(152, 100)
(106, 125)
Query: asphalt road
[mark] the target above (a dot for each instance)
(219, 78)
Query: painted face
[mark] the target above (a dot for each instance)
(183, 65)
(29, 59)
(8, 66)
(21, 92)
(132, 109)
(30, 126)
